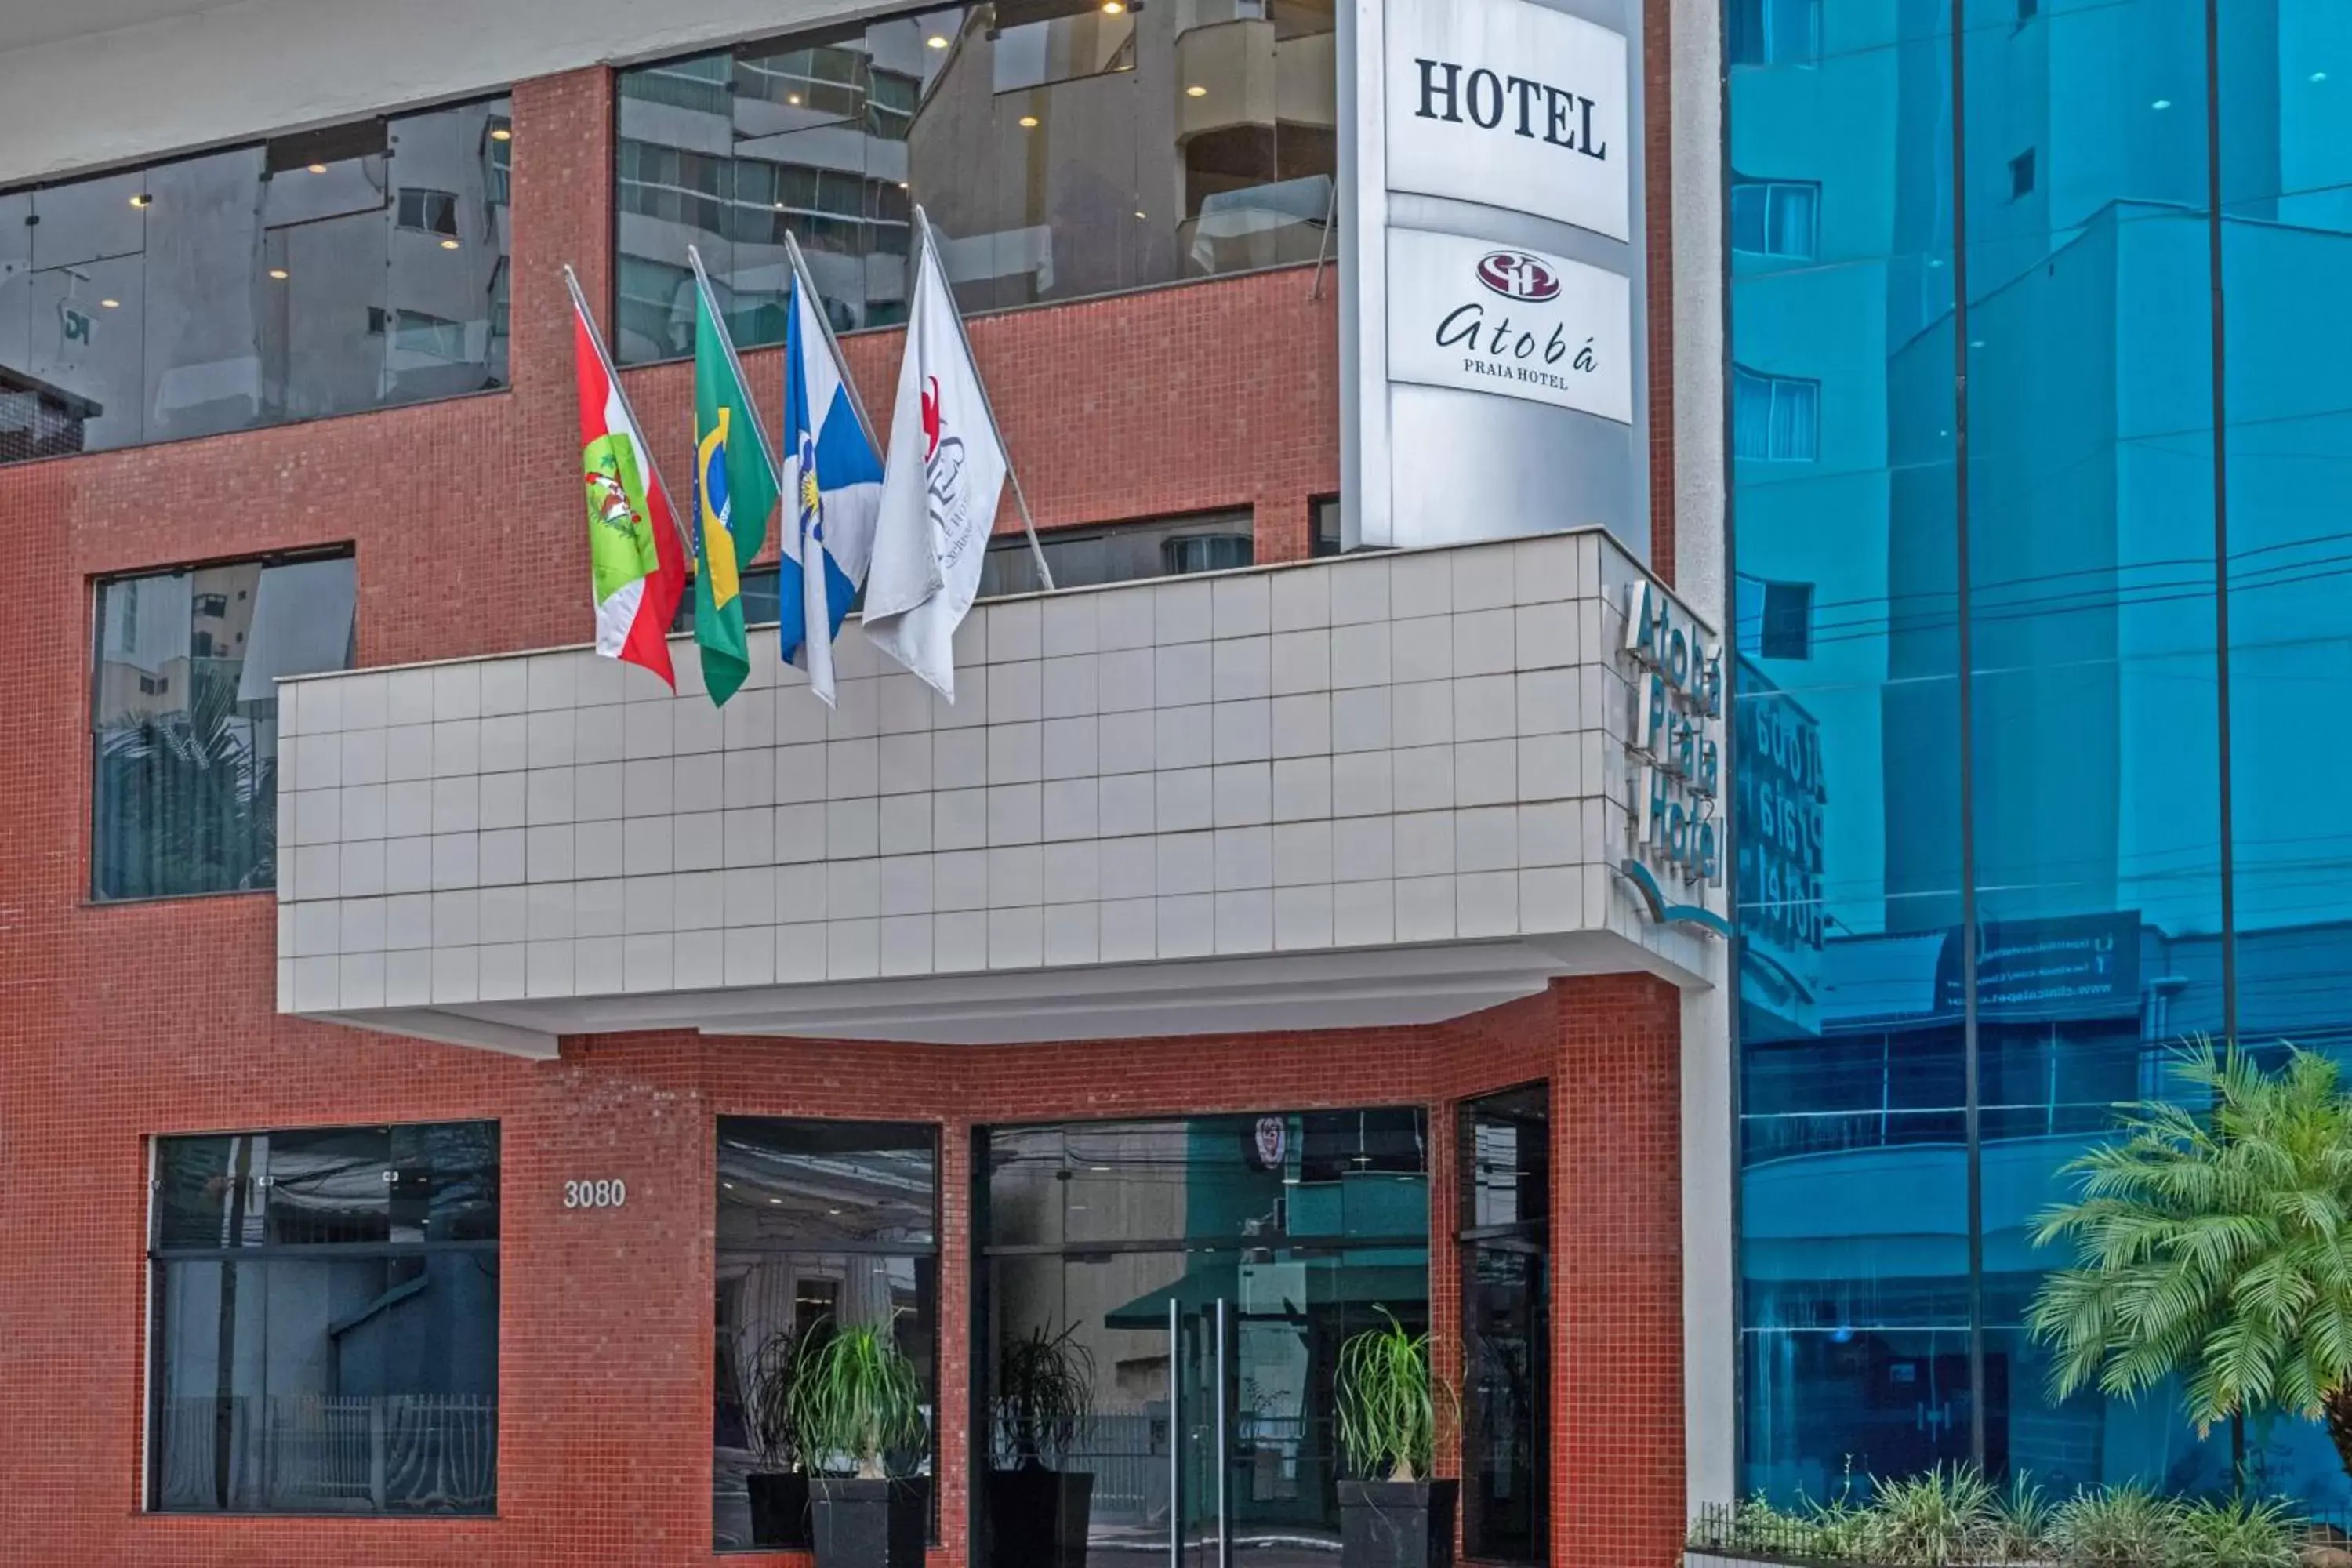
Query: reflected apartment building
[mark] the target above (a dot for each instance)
(1983, 403)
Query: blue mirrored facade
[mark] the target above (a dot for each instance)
(2042, 432)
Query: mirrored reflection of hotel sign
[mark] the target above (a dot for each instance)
(1780, 793)
(1674, 741)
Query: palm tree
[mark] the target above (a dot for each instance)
(2213, 1239)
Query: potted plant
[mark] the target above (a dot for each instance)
(1392, 1513)
(1045, 1399)
(779, 1485)
(856, 1399)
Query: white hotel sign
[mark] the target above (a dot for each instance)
(1511, 105)
(1465, 314)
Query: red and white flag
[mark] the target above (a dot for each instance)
(939, 488)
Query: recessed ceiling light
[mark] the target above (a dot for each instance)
(1140, 213)
(279, 273)
(794, 99)
(502, 134)
(902, 185)
(1976, 343)
(318, 168)
(937, 40)
(141, 200)
(448, 245)
(111, 304)
(2319, 76)
(2162, 103)
(1113, 7)
(1028, 123)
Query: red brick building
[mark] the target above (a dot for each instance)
(129, 1022)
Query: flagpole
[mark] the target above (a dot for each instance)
(816, 305)
(1012, 471)
(726, 342)
(596, 341)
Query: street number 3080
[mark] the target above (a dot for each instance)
(600, 1194)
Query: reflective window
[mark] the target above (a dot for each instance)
(2084, 559)
(184, 718)
(821, 1224)
(1773, 620)
(1771, 31)
(325, 1329)
(315, 274)
(1060, 149)
(1775, 217)
(1775, 418)
(1504, 1149)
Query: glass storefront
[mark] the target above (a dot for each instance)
(2033, 524)
(1061, 150)
(1203, 1272)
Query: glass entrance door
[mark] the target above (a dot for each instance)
(1200, 1276)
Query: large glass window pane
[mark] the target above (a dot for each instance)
(318, 273)
(184, 718)
(2095, 776)
(1060, 149)
(822, 1225)
(2284, 68)
(1854, 1249)
(322, 1345)
(1505, 1154)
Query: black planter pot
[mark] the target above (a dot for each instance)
(1397, 1524)
(869, 1524)
(1039, 1516)
(779, 1508)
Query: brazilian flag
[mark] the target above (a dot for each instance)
(735, 485)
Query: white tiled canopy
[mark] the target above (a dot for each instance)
(1381, 789)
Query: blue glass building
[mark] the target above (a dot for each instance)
(2042, 436)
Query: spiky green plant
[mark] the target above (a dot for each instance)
(2117, 1527)
(2213, 1239)
(1045, 1395)
(1932, 1520)
(2239, 1533)
(855, 1395)
(2018, 1524)
(767, 1394)
(1388, 1403)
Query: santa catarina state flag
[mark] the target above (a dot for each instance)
(636, 559)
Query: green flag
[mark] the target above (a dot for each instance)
(735, 486)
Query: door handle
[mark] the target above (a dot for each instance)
(1226, 1395)
(1175, 1434)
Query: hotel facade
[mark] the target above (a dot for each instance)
(1680, 640)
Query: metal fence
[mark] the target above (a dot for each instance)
(316, 1453)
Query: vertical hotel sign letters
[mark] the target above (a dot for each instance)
(1674, 742)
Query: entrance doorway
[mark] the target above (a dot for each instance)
(1198, 1276)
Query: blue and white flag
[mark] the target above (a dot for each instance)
(833, 488)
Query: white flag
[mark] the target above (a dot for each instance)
(940, 490)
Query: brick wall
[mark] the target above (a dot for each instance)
(119, 1023)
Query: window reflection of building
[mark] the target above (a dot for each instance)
(1879, 1331)
(314, 274)
(185, 717)
(1060, 152)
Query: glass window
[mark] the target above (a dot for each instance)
(184, 718)
(1060, 151)
(1775, 217)
(1775, 418)
(253, 286)
(1771, 31)
(1775, 620)
(1504, 1150)
(326, 1314)
(1123, 553)
(820, 1222)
